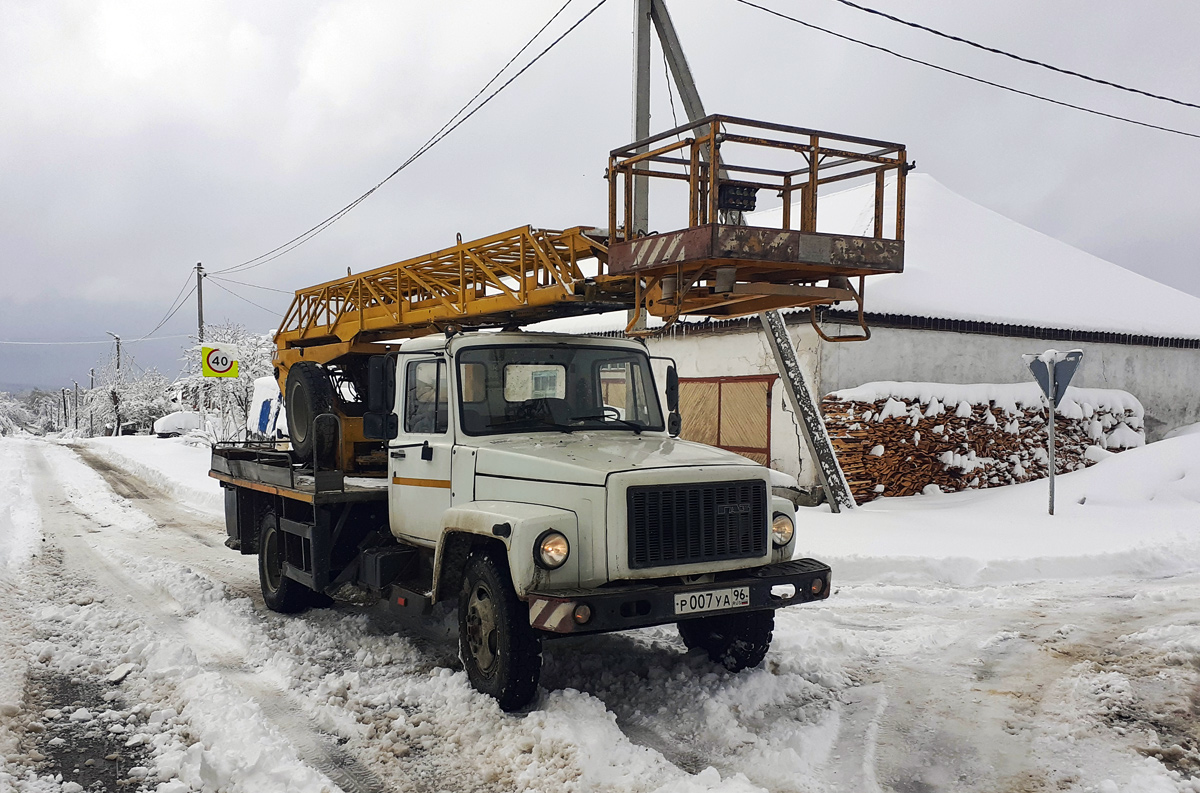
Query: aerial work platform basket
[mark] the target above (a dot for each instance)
(716, 262)
(720, 263)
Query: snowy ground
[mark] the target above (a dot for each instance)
(972, 643)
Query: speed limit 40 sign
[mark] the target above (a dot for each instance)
(219, 360)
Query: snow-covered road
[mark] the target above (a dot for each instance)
(132, 638)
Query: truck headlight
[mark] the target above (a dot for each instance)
(551, 550)
(782, 529)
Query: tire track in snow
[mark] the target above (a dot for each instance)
(155, 503)
(1027, 687)
(163, 614)
(317, 749)
(871, 739)
(199, 544)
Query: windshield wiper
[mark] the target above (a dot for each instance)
(633, 425)
(531, 421)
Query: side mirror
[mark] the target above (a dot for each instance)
(381, 384)
(672, 389)
(381, 426)
(674, 425)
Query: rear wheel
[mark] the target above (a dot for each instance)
(309, 394)
(736, 641)
(280, 593)
(501, 653)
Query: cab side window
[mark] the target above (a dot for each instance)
(426, 406)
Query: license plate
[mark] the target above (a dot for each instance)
(713, 600)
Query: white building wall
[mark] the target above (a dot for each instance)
(1166, 380)
(737, 353)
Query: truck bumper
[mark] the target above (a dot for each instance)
(623, 607)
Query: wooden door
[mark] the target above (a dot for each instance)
(732, 413)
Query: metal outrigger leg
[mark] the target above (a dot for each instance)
(808, 415)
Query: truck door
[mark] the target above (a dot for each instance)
(420, 456)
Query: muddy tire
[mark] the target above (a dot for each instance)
(308, 395)
(736, 641)
(501, 653)
(280, 593)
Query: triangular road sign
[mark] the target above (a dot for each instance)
(1065, 364)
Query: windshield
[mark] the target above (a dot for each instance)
(559, 388)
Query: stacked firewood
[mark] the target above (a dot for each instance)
(913, 443)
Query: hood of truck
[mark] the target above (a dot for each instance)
(587, 458)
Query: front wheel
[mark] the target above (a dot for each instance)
(280, 593)
(501, 653)
(736, 641)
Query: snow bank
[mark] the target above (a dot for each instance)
(20, 532)
(1136, 513)
(1009, 397)
(1187, 429)
(20, 525)
(173, 465)
(900, 439)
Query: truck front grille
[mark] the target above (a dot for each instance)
(701, 522)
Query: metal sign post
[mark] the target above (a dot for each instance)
(1053, 371)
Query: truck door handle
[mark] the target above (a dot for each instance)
(426, 450)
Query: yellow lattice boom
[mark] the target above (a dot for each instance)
(518, 276)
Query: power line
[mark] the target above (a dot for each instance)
(440, 135)
(253, 286)
(968, 76)
(246, 299)
(175, 310)
(102, 341)
(301, 239)
(670, 93)
(171, 311)
(1020, 58)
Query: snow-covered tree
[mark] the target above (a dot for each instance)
(139, 396)
(45, 411)
(14, 414)
(227, 399)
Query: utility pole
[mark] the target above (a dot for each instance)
(200, 338)
(115, 396)
(641, 114)
(65, 409)
(641, 128)
(91, 403)
(118, 338)
(77, 406)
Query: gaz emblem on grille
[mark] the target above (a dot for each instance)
(733, 509)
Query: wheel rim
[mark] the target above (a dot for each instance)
(482, 633)
(299, 408)
(271, 563)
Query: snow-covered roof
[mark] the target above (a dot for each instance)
(965, 262)
(962, 261)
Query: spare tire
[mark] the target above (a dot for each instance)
(308, 395)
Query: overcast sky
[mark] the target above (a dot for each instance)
(138, 138)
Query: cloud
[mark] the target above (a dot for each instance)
(137, 138)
